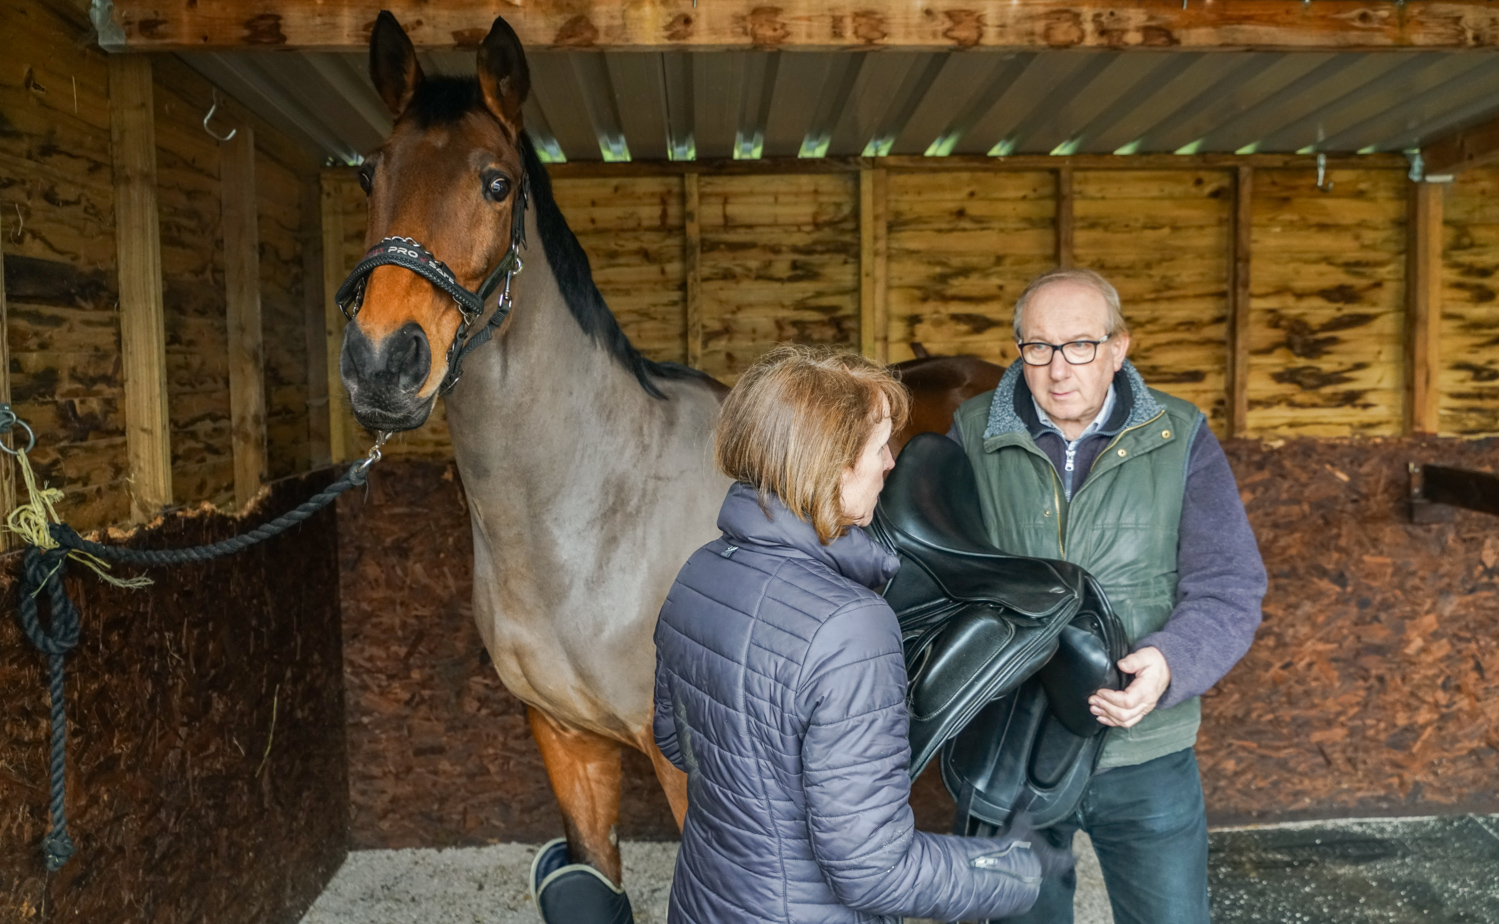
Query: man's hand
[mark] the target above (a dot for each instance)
(1124, 708)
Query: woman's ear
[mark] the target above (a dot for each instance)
(504, 76)
(393, 65)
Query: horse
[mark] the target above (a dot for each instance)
(587, 467)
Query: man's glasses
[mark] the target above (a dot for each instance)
(1076, 352)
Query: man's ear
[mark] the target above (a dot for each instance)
(1121, 342)
(393, 65)
(504, 76)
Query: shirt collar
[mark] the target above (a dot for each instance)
(1098, 423)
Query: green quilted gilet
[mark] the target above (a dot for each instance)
(1121, 525)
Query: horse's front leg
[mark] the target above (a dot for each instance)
(584, 769)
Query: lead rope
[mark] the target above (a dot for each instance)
(51, 542)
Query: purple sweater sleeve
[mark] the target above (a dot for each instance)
(1221, 579)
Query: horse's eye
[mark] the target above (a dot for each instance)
(497, 188)
(366, 179)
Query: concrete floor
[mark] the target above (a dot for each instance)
(487, 885)
(1441, 870)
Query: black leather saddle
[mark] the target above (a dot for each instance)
(1002, 651)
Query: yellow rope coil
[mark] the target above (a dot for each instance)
(32, 520)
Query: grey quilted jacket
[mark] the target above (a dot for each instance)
(780, 690)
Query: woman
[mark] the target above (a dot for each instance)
(780, 684)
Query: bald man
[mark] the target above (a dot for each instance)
(1077, 459)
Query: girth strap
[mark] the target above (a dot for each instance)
(409, 254)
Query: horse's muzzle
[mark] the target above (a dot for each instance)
(384, 379)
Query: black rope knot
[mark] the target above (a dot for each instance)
(42, 570)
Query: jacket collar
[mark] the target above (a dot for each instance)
(744, 522)
(1011, 410)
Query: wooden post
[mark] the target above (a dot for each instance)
(333, 319)
(1064, 217)
(874, 304)
(246, 340)
(694, 256)
(1423, 308)
(148, 434)
(1237, 379)
(316, 328)
(18, 436)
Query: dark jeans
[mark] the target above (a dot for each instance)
(1150, 832)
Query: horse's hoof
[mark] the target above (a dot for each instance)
(579, 894)
(551, 857)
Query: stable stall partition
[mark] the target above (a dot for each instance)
(161, 290)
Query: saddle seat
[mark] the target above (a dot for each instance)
(1002, 651)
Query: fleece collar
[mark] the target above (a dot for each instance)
(774, 528)
(1011, 406)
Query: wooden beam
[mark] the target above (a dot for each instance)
(661, 25)
(693, 234)
(1025, 162)
(148, 436)
(18, 436)
(1064, 218)
(874, 290)
(333, 319)
(242, 288)
(1237, 379)
(315, 324)
(1469, 147)
(1423, 308)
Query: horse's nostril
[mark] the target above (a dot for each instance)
(412, 363)
(399, 364)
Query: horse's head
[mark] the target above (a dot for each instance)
(448, 179)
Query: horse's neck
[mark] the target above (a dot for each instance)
(538, 405)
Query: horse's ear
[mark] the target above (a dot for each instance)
(503, 75)
(393, 65)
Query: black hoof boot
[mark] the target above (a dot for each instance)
(575, 893)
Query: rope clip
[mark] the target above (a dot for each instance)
(374, 453)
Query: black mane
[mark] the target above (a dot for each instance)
(575, 279)
(442, 100)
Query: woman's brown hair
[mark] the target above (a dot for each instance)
(797, 419)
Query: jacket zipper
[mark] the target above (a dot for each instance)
(1112, 443)
(1056, 499)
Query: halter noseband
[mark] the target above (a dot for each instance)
(409, 254)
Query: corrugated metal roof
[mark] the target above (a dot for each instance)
(613, 106)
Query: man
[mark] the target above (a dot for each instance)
(1076, 459)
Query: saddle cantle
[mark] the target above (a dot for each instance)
(1002, 651)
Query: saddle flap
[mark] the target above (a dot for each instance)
(971, 657)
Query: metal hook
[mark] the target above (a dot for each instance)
(8, 421)
(1322, 181)
(211, 110)
(20, 224)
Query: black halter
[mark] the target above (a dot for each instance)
(409, 254)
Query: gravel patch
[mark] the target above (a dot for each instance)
(487, 885)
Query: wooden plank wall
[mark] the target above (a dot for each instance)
(780, 260)
(57, 215)
(1327, 304)
(1162, 238)
(1469, 377)
(962, 246)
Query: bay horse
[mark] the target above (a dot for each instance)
(587, 468)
